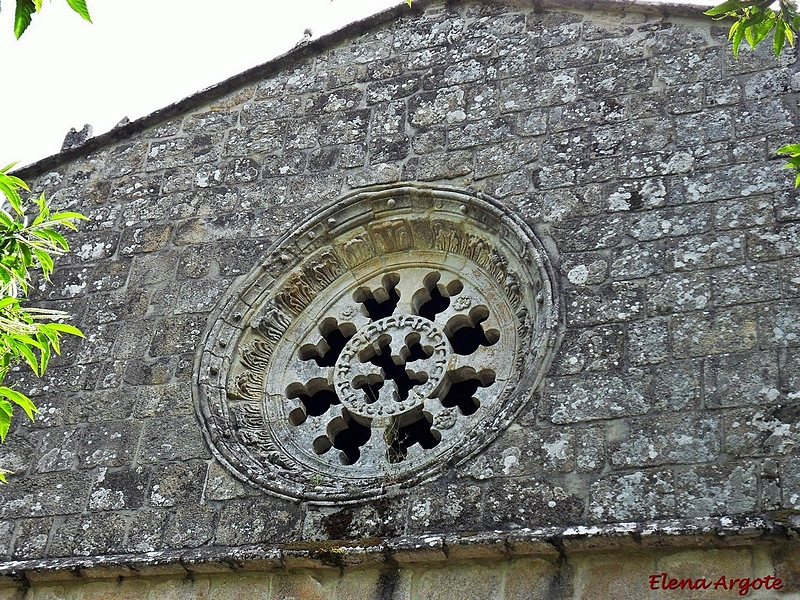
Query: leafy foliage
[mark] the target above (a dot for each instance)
(793, 150)
(27, 335)
(26, 8)
(753, 21)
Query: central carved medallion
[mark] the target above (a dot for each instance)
(374, 377)
(395, 333)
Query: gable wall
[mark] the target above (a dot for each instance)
(635, 142)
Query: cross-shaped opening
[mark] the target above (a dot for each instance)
(393, 367)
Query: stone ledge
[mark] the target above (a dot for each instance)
(547, 543)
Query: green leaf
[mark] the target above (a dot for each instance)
(780, 38)
(79, 6)
(29, 356)
(28, 340)
(6, 220)
(64, 328)
(16, 182)
(45, 261)
(8, 301)
(789, 149)
(793, 162)
(27, 258)
(6, 410)
(10, 192)
(22, 16)
(789, 33)
(21, 399)
(59, 216)
(56, 237)
(797, 181)
(761, 30)
(724, 9)
(736, 34)
(44, 359)
(52, 336)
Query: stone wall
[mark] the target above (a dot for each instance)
(631, 139)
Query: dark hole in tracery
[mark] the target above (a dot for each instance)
(466, 334)
(435, 305)
(334, 339)
(434, 298)
(348, 435)
(380, 302)
(370, 384)
(400, 439)
(316, 397)
(460, 385)
(393, 367)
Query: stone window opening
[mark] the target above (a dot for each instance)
(392, 335)
(384, 368)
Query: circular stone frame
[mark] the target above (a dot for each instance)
(432, 311)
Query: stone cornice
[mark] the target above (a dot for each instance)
(548, 543)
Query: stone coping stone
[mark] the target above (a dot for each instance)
(548, 543)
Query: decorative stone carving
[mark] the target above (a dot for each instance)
(403, 341)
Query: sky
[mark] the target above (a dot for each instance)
(139, 56)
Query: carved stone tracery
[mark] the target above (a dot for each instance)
(398, 344)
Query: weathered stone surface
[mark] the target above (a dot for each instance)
(258, 520)
(512, 504)
(677, 292)
(148, 534)
(620, 301)
(118, 489)
(179, 152)
(738, 380)
(773, 431)
(648, 341)
(382, 518)
(630, 141)
(779, 324)
(47, 494)
(190, 526)
(590, 349)
(710, 490)
(771, 244)
(635, 496)
(32, 537)
(666, 440)
(110, 444)
(89, 535)
(593, 396)
(697, 334)
(305, 585)
(170, 439)
(452, 583)
(440, 507)
(176, 483)
(608, 576)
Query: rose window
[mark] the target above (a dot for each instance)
(385, 365)
(387, 339)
